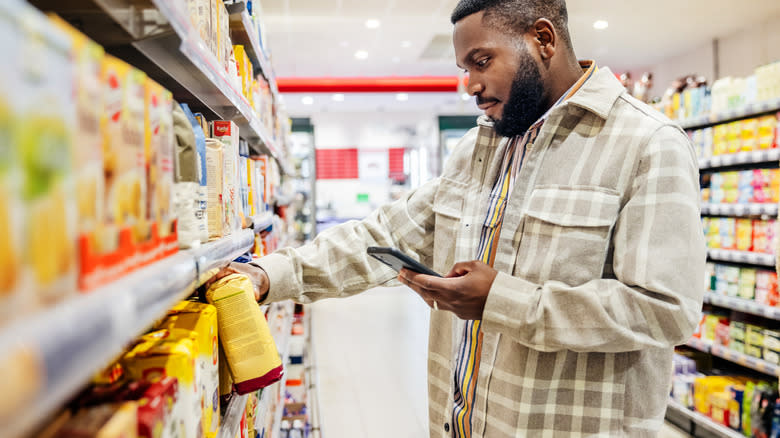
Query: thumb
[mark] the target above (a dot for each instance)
(460, 269)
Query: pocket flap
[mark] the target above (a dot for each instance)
(449, 198)
(569, 206)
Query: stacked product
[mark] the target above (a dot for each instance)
(759, 285)
(748, 337)
(748, 135)
(755, 235)
(741, 403)
(742, 187)
(726, 94)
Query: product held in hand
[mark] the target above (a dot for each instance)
(244, 335)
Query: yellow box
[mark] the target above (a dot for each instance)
(44, 148)
(200, 320)
(159, 145)
(123, 146)
(749, 135)
(88, 151)
(733, 137)
(160, 353)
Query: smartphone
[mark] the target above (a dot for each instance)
(398, 260)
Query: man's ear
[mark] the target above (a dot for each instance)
(545, 38)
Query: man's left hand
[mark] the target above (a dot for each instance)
(463, 291)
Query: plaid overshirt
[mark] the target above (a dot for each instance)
(600, 268)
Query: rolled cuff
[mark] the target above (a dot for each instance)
(282, 284)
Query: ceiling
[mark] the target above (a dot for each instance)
(312, 38)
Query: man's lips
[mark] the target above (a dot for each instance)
(485, 105)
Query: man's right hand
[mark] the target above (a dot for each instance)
(257, 275)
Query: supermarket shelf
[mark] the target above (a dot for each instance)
(734, 356)
(702, 420)
(262, 221)
(243, 33)
(280, 318)
(65, 345)
(753, 258)
(216, 254)
(754, 109)
(740, 210)
(742, 305)
(753, 157)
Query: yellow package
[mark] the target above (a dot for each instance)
(88, 151)
(225, 380)
(241, 61)
(201, 320)
(15, 296)
(103, 421)
(766, 131)
(215, 203)
(704, 386)
(733, 137)
(159, 354)
(749, 135)
(744, 234)
(719, 140)
(123, 148)
(719, 407)
(45, 153)
(244, 335)
(159, 151)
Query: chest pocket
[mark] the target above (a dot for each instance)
(566, 233)
(448, 208)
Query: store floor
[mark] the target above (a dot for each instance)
(371, 359)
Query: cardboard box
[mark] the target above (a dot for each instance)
(227, 132)
(159, 153)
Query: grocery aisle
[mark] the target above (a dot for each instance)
(371, 359)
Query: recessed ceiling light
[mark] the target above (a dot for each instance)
(465, 97)
(372, 23)
(402, 97)
(406, 44)
(361, 54)
(338, 97)
(344, 43)
(601, 24)
(307, 100)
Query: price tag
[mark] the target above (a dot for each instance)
(739, 210)
(751, 362)
(715, 161)
(742, 158)
(755, 209)
(750, 257)
(742, 305)
(728, 160)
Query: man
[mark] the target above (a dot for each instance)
(568, 223)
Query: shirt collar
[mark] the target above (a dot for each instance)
(588, 68)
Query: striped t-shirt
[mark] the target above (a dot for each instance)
(467, 365)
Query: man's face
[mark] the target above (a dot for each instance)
(503, 75)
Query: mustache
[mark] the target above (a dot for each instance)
(482, 100)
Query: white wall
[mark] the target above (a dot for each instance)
(372, 133)
(739, 54)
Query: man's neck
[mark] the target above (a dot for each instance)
(562, 82)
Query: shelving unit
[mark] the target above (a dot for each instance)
(66, 344)
(754, 157)
(742, 305)
(753, 109)
(739, 210)
(751, 362)
(703, 421)
(271, 396)
(753, 258)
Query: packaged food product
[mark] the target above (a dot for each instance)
(719, 411)
(747, 283)
(749, 135)
(160, 354)
(736, 393)
(766, 131)
(159, 153)
(227, 132)
(104, 421)
(189, 196)
(244, 334)
(744, 229)
(88, 149)
(201, 320)
(15, 296)
(124, 161)
(44, 148)
(215, 169)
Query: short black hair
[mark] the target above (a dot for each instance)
(517, 15)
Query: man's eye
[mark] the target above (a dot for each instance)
(482, 62)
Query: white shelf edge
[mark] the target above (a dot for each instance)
(742, 305)
(749, 110)
(740, 210)
(739, 158)
(753, 258)
(703, 420)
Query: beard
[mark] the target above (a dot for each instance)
(526, 99)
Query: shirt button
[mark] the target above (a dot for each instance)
(446, 427)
